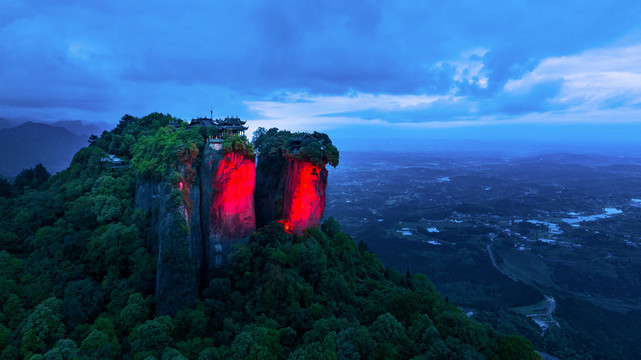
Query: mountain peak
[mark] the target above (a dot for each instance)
(29, 143)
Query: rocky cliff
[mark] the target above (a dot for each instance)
(271, 179)
(227, 210)
(291, 178)
(291, 191)
(304, 196)
(177, 228)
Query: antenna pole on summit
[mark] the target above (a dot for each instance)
(212, 113)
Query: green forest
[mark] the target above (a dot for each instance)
(319, 152)
(78, 267)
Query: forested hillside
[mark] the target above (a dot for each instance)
(78, 274)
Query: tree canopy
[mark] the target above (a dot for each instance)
(316, 148)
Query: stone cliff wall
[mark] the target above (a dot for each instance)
(227, 203)
(291, 191)
(271, 177)
(176, 224)
(177, 270)
(304, 196)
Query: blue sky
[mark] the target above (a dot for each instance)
(423, 69)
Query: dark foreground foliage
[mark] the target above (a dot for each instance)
(78, 265)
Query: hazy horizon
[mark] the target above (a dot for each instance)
(441, 140)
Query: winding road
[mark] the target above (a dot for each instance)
(489, 251)
(551, 308)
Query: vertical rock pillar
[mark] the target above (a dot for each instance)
(304, 196)
(180, 247)
(229, 182)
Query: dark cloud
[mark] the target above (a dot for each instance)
(89, 55)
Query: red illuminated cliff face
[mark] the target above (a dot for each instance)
(304, 196)
(231, 213)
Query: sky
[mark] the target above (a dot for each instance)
(506, 70)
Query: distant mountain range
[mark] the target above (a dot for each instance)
(6, 123)
(80, 128)
(30, 143)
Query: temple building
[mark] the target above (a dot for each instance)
(202, 122)
(226, 126)
(231, 126)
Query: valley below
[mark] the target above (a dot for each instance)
(546, 245)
